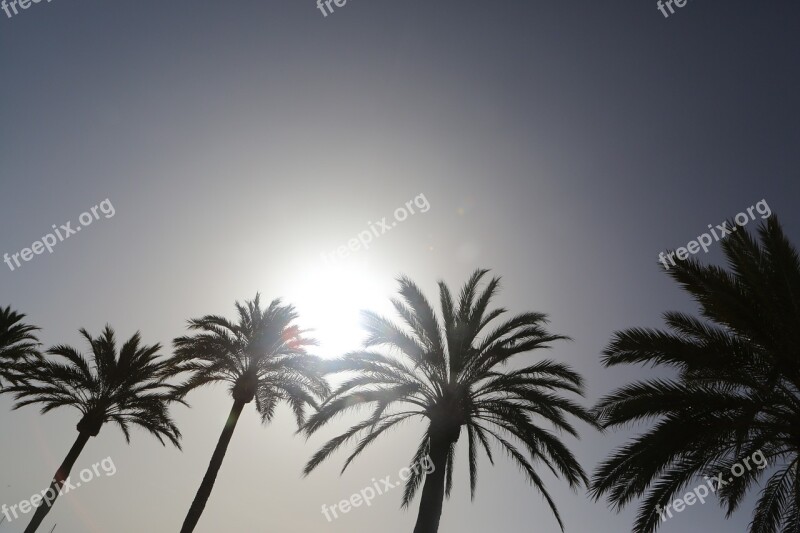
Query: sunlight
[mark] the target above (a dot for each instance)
(329, 299)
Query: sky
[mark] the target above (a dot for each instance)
(562, 145)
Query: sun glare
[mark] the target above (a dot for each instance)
(329, 300)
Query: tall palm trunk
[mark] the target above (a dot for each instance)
(58, 481)
(430, 505)
(204, 491)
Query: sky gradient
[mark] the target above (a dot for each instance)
(561, 144)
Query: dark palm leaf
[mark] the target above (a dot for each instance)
(735, 390)
(18, 343)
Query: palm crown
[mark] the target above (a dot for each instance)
(449, 373)
(735, 390)
(17, 342)
(124, 388)
(262, 356)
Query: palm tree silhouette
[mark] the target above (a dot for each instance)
(450, 375)
(263, 357)
(17, 343)
(733, 391)
(124, 388)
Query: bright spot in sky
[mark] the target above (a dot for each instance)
(329, 300)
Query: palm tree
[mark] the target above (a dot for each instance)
(449, 374)
(733, 389)
(262, 357)
(17, 343)
(124, 388)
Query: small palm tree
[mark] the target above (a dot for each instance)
(450, 374)
(17, 343)
(123, 388)
(733, 389)
(263, 357)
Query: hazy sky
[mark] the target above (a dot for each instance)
(561, 144)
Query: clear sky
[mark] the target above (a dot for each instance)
(561, 144)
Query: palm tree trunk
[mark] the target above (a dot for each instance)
(203, 493)
(430, 505)
(58, 481)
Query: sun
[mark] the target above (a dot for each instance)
(329, 300)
